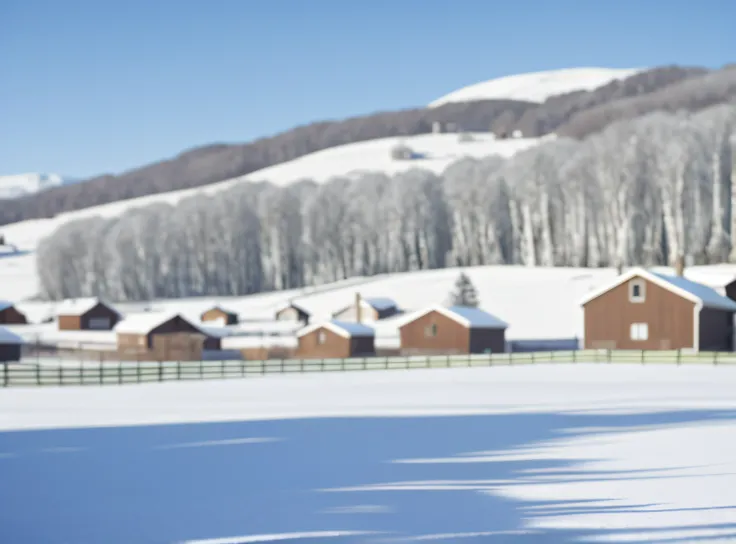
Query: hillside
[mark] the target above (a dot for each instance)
(536, 86)
(214, 163)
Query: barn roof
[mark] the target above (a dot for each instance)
(690, 290)
(343, 328)
(380, 303)
(473, 318)
(5, 304)
(78, 306)
(9, 337)
(145, 322)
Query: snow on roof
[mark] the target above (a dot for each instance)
(144, 323)
(343, 328)
(220, 307)
(380, 303)
(477, 318)
(536, 86)
(688, 289)
(9, 337)
(77, 306)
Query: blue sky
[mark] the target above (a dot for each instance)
(90, 87)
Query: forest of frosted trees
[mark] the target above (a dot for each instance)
(641, 192)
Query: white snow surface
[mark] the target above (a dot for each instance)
(18, 185)
(657, 478)
(536, 86)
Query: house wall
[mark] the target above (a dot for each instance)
(730, 290)
(292, 314)
(70, 322)
(609, 317)
(716, 330)
(11, 316)
(10, 352)
(452, 337)
(99, 311)
(484, 340)
(335, 345)
(362, 346)
(216, 313)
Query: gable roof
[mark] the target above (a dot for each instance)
(79, 306)
(223, 309)
(292, 304)
(690, 290)
(472, 318)
(145, 322)
(5, 304)
(343, 328)
(9, 337)
(380, 303)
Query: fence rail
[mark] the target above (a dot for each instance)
(38, 373)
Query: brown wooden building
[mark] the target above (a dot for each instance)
(368, 309)
(293, 312)
(10, 346)
(336, 340)
(646, 310)
(10, 315)
(164, 336)
(83, 314)
(454, 330)
(218, 313)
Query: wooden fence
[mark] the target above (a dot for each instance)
(54, 373)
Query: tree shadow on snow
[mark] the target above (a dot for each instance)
(175, 483)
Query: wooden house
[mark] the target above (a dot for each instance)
(335, 340)
(646, 310)
(293, 312)
(367, 309)
(10, 346)
(10, 315)
(220, 314)
(164, 336)
(82, 314)
(451, 330)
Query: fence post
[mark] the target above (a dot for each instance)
(81, 372)
(160, 371)
(38, 374)
(120, 372)
(533, 357)
(222, 368)
(715, 357)
(178, 370)
(642, 356)
(201, 370)
(6, 377)
(242, 368)
(61, 374)
(574, 356)
(608, 355)
(365, 363)
(679, 356)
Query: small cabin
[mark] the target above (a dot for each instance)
(219, 314)
(10, 315)
(454, 330)
(650, 311)
(82, 314)
(164, 336)
(292, 312)
(368, 309)
(336, 340)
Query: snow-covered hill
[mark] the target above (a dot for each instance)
(536, 86)
(18, 185)
(437, 151)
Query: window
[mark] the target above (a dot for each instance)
(321, 337)
(431, 331)
(639, 331)
(637, 291)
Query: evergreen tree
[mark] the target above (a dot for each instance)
(465, 293)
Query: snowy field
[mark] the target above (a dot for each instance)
(550, 453)
(536, 86)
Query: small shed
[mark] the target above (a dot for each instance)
(371, 309)
(82, 314)
(293, 312)
(217, 313)
(451, 330)
(165, 336)
(336, 340)
(646, 310)
(10, 346)
(10, 315)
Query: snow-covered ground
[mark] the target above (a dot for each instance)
(17, 185)
(542, 453)
(536, 86)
